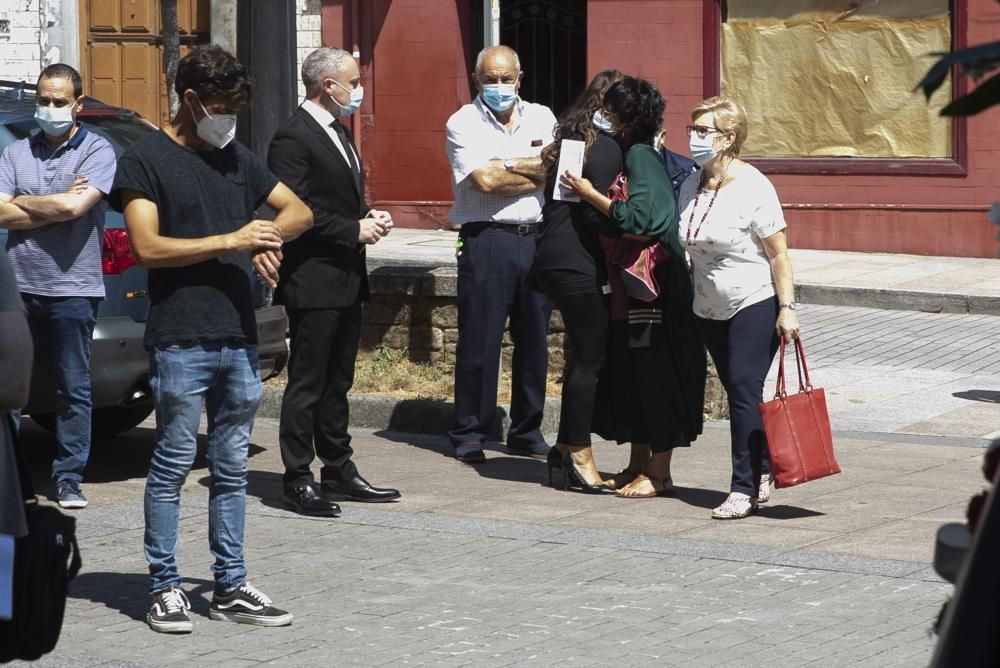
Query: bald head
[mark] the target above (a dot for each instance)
(493, 57)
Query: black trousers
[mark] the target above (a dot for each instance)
(493, 268)
(314, 409)
(585, 319)
(743, 348)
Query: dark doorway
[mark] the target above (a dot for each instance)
(550, 37)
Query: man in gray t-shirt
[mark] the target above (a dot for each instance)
(52, 199)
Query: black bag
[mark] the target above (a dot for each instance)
(44, 563)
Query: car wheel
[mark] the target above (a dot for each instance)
(105, 422)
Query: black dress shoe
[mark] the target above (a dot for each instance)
(470, 453)
(536, 450)
(358, 489)
(306, 501)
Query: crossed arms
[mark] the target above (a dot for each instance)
(29, 212)
(465, 153)
(526, 177)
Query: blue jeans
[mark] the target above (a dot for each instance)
(226, 378)
(62, 329)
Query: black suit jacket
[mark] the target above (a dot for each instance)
(324, 267)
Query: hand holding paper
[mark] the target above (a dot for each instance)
(570, 160)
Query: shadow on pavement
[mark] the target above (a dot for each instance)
(116, 459)
(784, 512)
(263, 485)
(506, 467)
(128, 593)
(699, 497)
(989, 396)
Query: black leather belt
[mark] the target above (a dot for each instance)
(521, 228)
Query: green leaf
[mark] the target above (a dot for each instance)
(984, 96)
(976, 60)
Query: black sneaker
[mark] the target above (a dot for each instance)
(168, 612)
(247, 605)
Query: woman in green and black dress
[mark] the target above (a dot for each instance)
(655, 375)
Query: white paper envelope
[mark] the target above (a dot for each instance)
(571, 160)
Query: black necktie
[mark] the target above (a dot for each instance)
(346, 143)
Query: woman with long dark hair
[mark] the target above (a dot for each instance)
(569, 269)
(656, 375)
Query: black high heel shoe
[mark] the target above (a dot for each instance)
(572, 479)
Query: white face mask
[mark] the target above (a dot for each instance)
(55, 121)
(217, 130)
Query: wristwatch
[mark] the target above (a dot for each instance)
(508, 164)
(790, 306)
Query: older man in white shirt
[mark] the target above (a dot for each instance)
(494, 146)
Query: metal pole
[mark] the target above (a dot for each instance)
(495, 23)
(266, 46)
(491, 23)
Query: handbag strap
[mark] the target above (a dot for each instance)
(779, 387)
(27, 489)
(800, 362)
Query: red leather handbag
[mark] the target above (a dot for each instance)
(797, 428)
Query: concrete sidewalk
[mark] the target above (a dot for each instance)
(876, 280)
(488, 566)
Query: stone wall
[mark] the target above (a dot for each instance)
(413, 308)
(308, 37)
(23, 39)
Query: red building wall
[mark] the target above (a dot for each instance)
(413, 55)
(414, 69)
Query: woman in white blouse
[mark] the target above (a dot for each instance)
(732, 228)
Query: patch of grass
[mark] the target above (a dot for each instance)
(391, 372)
(388, 371)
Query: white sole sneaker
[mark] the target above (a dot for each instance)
(169, 627)
(250, 618)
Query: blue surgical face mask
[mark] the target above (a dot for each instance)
(602, 123)
(55, 121)
(357, 95)
(499, 97)
(702, 149)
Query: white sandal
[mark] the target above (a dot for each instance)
(764, 490)
(735, 507)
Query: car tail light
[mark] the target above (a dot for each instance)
(116, 254)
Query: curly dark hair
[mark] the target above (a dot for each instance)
(63, 71)
(577, 121)
(213, 73)
(638, 106)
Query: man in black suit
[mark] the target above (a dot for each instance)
(323, 280)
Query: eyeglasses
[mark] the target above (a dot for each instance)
(703, 131)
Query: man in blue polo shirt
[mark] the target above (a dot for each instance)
(52, 199)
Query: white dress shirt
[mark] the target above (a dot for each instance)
(474, 137)
(325, 118)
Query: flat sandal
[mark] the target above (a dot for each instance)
(666, 488)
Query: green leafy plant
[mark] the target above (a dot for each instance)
(982, 64)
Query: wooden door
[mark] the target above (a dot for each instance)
(122, 59)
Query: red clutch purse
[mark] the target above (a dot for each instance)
(797, 428)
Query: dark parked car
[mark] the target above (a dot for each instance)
(119, 364)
